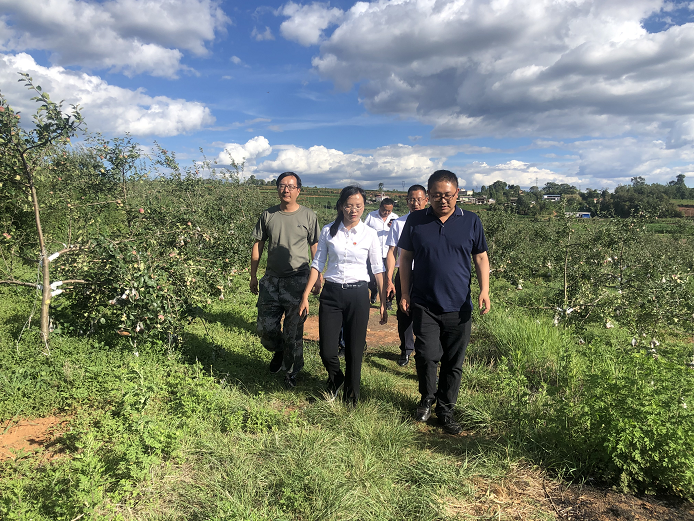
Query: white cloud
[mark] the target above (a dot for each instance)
(248, 153)
(129, 36)
(266, 35)
(235, 59)
(306, 23)
(595, 163)
(513, 172)
(616, 161)
(330, 167)
(106, 108)
(473, 68)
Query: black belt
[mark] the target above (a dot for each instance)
(348, 285)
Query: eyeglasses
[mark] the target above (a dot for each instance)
(282, 188)
(349, 207)
(447, 197)
(419, 200)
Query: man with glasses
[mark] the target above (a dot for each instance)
(416, 200)
(436, 293)
(290, 231)
(380, 220)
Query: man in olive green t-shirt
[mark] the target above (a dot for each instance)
(290, 230)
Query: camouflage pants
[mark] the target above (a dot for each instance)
(277, 297)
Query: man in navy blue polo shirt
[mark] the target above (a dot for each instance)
(442, 240)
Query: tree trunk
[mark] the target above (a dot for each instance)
(45, 271)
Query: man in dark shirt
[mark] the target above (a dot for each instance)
(442, 240)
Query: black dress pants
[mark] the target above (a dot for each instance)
(346, 308)
(440, 338)
(404, 321)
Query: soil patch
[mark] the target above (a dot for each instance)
(27, 436)
(525, 494)
(376, 334)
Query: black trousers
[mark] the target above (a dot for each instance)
(346, 308)
(404, 321)
(441, 338)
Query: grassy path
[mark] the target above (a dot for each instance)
(203, 431)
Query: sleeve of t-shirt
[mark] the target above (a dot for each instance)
(395, 232)
(405, 241)
(480, 242)
(260, 231)
(321, 256)
(313, 229)
(367, 221)
(375, 254)
(392, 239)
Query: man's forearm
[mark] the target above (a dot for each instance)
(482, 270)
(256, 252)
(405, 272)
(390, 263)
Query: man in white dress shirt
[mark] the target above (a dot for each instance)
(416, 200)
(380, 220)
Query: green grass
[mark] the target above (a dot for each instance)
(203, 431)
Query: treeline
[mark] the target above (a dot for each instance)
(638, 198)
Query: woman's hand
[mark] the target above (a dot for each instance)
(390, 290)
(384, 314)
(303, 307)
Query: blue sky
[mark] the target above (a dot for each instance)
(586, 92)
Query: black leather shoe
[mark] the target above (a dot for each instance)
(449, 425)
(290, 381)
(276, 362)
(334, 388)
(404, 359)
(423, 411)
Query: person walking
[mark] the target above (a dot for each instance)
(436, 292)
(290, 231)
(416, 200)
(344, 246)
(380, 220)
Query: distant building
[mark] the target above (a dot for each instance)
(552, 197)
(581, 215)
(467, 199)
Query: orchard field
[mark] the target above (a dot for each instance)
(125, 312)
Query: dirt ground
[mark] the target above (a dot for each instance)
(22, 437)
(523, 494)
(376, 334)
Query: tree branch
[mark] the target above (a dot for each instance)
(18, 283)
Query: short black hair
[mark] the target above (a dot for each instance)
(288, 174)
(387, 201)
(415, 188)
(442, 175)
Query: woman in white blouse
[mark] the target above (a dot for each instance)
(344, 245)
